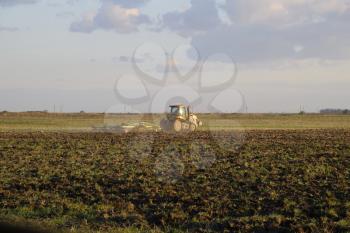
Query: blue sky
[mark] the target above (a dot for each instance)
(70, 52)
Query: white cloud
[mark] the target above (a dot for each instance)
(111, 16)
(201, 16)
(86, 24)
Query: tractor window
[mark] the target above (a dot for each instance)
(174, 110)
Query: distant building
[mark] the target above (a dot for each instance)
(334, 111)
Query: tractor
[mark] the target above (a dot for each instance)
(180, 119)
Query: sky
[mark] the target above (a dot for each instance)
(141, 55)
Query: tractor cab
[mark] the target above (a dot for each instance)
(178, 111)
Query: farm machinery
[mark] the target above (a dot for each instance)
(180, 119)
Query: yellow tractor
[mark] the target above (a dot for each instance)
(180, 119)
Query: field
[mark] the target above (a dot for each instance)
(277, 173)
(86, 122)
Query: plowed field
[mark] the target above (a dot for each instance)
(279, 180)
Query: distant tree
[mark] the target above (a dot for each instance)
(82, 112)
(346, 111)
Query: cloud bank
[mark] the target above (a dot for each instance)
(247, 30)
(258, 30)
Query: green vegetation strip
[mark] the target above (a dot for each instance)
(87, 122)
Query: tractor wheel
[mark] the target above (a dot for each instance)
(177, 126)
(193, 127)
